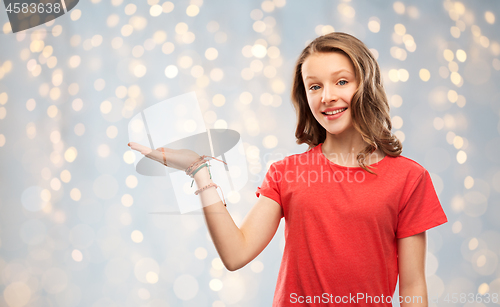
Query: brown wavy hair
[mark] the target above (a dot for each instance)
(369, 105)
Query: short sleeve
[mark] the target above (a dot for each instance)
(270, 187)
(422, 209)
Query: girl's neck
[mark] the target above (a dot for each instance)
(342, 149)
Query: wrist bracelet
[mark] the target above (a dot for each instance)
(196, 166)
(209, 186)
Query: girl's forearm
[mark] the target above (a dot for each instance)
(416, 294)
(228, 239)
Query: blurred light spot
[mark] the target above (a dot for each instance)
(77, 255)
(490, 17)
(136, 236)
(127, 200)
(400, 135)
(257, 266)
(246, 98)
(105, 107)
(143, 294)
(259, 26)
(397, 122)
(65, 176)
(130, 9)
(171, 71)
(167, 48)
(30, 130)
(259, 51)
(217, 264)
(112, 20)
(448, 55)
(126, 30)
(424, 74)
(346, 10)
(267, 6)
(456, 227)
(461, 157)
(74, 61)
(185, 62)
(278, 86)
(197, 71)
(138, 51)
(140, 70)
(103, 150)
(17, 294)
(99, 84)
(218, 100)
(55, 184)
(159, 37)
(112, 132)
(461, 55)
(192, 10)
(152, 277)
(57, 30)
(55, 136)
(131, 181)
(75, 194)
(399, 7)
(200, 253)
(483, 289)
(79, 129)
(70, 154)
(216, 74)
(233, 197)
(167, 7)
(189, 125)
(458, 142)
(400, 29)
(155, 10)
(456, 78)
(181, 28)
(270, 141)
(455, 32)
(473, 244)
(215, 284)
(374, 24)
(220, 124)
(211, 54)
(452, 96)
(453, 66)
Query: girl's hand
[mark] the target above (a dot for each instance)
(179, 159)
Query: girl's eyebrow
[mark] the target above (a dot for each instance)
(333, 74)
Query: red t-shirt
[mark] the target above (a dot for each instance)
(342, 225)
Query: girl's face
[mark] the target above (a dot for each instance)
(330, 82)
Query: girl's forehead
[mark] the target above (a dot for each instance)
(324, 61)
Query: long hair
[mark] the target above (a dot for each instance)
(369, 105)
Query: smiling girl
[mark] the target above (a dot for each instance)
(349, 231)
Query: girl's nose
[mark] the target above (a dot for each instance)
(329, 95)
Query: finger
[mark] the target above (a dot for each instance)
(138, 147)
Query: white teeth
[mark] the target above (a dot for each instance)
(335, 112)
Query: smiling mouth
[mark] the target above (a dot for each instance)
(334, 112)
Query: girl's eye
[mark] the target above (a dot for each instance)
(314, 87)
(342, 82)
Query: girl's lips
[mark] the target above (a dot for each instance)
(334, 116)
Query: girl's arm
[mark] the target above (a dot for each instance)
(238, 246)
(411, 261)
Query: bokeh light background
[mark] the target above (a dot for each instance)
(78, 225)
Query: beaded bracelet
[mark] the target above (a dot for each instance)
(209, 186)
(196, 166)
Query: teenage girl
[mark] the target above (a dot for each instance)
(349, 231)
